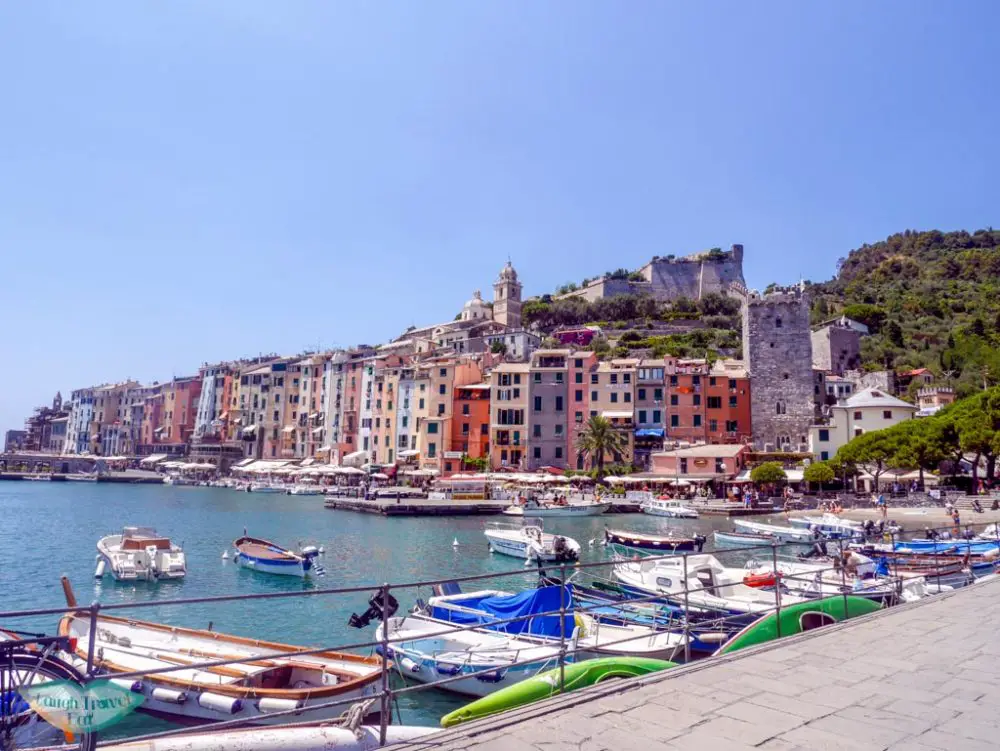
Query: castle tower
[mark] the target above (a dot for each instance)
(507, 298)
(777, 347)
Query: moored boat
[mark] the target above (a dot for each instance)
(267, 681)
(484, 660)
(140, 554)
(544, 685)
(741, 538)
(669, 507)
(530, 543)
(261, 487)
(548, 509)
(270, 558)
(774, 531)
(831, 525)
(659, 543)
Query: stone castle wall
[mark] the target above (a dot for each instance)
(777, 347)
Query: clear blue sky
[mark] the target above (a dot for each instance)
(189, 181)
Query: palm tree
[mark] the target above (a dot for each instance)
(599, 438)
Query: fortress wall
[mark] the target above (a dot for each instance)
(694, 279)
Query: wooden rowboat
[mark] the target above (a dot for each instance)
(269, 680)
(270, 558)
(661, 543)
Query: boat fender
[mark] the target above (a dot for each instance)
(168, 695)
(135, 687)
(279, 705)
(219, 703)
(447, 668)
(581, 625)
(411, 665)
(493, 676)
(100, 569)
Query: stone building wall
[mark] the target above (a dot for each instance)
(836, 348)
(777, 348)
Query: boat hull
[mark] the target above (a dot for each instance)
(521, 548)
(297, 738)
(649, 542)
(279, 568)
(578, 509)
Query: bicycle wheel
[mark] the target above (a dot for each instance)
(20, 727)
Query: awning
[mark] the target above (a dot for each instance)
(324, 449)
(649, 433)
(307, 461)
(244, 462)
(249, 430)
(238, 421)
(152, 459)
(224, 415)
(409, 453)
(314, 415)
(288, 429)
(619, 415)
(317, 431)
(355, 458)
(160, 429)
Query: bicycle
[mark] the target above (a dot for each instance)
(28, 662)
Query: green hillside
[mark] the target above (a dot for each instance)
(932, 299)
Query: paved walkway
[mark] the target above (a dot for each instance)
(922, 676)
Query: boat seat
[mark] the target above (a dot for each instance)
(262, 551)
(141, 543)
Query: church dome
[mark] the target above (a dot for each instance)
(476, 309)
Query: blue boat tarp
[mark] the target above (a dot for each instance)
(649, 433)
(487, 610)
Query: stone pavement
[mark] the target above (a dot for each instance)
(921, 676)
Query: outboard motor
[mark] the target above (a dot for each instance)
(376, 609)
(699, 542)
(562, 550)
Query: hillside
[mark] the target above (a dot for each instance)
(932, 299)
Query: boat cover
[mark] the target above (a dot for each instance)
(499, 608)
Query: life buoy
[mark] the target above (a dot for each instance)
(768, 579)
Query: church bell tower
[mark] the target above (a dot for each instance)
(507, 298)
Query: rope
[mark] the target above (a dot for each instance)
(353, 717)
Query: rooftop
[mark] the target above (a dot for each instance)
(708, 450)
(873, 397)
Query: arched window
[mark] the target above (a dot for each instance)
(779, 408)
(777, 323)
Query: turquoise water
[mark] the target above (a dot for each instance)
(51, 529)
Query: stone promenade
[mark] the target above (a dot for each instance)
(921, 676)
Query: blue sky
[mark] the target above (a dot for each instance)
(198, 180)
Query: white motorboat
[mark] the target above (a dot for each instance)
(306, 490)
(593, 637)
(831, 525)
(710, 585)
(251, 691)
(530, 543)
(139, 554)
(263, 487)
(297, 737)
(548, 508)
(669, 507)
(421, 651)
(774, 531)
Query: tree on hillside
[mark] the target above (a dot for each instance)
(498, 347)
(918, 444)
(819, 473)
(598, 440)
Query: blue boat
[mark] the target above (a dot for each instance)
(270, 558)
(946, 547)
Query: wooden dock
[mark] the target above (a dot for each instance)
(417, 506)
(132, 477)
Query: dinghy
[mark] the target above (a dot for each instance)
(547, 509)
(737, 539)
(139, 554)
(530, 543)
(659, 543)
(422, 652)
(270, 558)
(774, 531)
(268, 682)
(832, 526)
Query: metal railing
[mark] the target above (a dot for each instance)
(694, 617)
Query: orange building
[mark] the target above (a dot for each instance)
(470, 425)
(708, 404)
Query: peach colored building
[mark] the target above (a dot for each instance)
(705, 463)
(509, 414)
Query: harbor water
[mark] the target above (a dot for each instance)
(51, 529)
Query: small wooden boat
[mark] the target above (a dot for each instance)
(659, 543)
(774, 531)
(530, 543)
(140, 554)
(668, 507)
(270, 558)
(741, 538)
(797, 618)
(265, 683)
(542, 686)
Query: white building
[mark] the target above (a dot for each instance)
(870, 409)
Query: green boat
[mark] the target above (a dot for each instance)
(542, 686)
(795, 619)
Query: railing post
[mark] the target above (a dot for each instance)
(777, 587)
(95, 606)
(687, 613)
(385, 703)
(843, 576)
(562, 627)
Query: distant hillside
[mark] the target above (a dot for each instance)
(931, 298)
